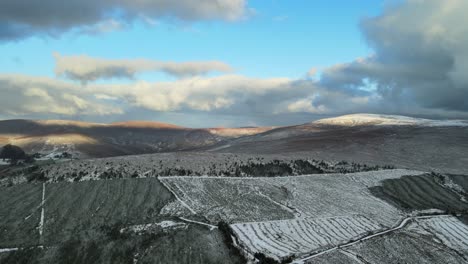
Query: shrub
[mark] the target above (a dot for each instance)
(12, 153)
(227, 237)
(37, 176)
(262, 259)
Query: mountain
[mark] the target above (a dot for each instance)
(388, 120)
(365, 138)
(372, 139)
(317, 198)
(83, 139)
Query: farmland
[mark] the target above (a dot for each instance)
(422, 192)
(311, 213)
(400, 247)
(248, 199)
(298, 237)
(136, 215)
(423, 241)
(87, 221)
(19, 215)
(448, 230)
(74, 207)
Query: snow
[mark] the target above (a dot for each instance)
(450, 184)
(41, 223)
(387, 120)
(167, 224)
(403, 223)
(151, 165)
(451, 231)
(352, 256)
(247, 199)
(177, 197)
(284, 238)
(212, 227)
(375, 178)
(3, 250)
(175, 208)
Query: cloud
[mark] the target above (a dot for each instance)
(418, 67)
(104, 26)
(272, 100)
(20, 19)
(227, 94)
(233, 95)
(312, 73)
(85, 69)
(26, 95)
(420, 58)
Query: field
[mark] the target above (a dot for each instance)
(440, 239)
(311, 213)
(263, 199)
(179, 219)
(460, 180)
(92, 222)
(71, 208)
(301, 236)
(19, 215)
(449, 231)
(193, 244)
(397, 248)
(421, 192)
(229, 199)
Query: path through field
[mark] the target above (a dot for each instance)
(41, 223)
(401, 225)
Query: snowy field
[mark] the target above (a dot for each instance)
(284, 238)
(449, 230)
(238, 200)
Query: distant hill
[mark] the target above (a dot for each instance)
(364, 138)
(388, 120)
(382, 139)
(84, 140)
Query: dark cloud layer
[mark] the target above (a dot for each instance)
(20, 18)
(420, 57)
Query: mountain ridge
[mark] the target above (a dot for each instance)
(89, 140)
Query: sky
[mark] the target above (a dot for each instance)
(232, 62)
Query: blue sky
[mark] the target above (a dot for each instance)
(232, 62)
(280, 38)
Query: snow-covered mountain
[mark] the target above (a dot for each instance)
(366, 138)
(83, 140)
(387, 120)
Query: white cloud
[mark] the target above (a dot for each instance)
(24, 95)
(84, 68)
(306, 106)
(204, 94)
(233, 95)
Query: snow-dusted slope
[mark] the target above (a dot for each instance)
(387, 120)
(101, 140)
